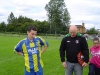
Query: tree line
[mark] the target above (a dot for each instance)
(57, 23)
(21, 23)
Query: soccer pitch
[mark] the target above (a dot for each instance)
(13, 64)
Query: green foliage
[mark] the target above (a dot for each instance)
(20, 24)
(92, 31)
(10, 27)
(2, 27)
(58, 15)
(42, 27)
(11, 18)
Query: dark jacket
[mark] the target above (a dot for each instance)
(71, 46)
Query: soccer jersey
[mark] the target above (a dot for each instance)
(32, 53)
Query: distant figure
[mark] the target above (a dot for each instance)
(98, 36)
(70, 46)
(94, 66)
(86, 36)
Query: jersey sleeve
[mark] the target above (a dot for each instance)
(43, 42)
(18, 47)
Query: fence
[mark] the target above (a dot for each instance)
(47, 36)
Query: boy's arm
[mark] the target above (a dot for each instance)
(43, 49)
(44, 44)
(18, 49)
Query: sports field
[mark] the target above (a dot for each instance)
(13, 64)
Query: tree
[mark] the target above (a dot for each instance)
(11, 18)
(12, 22)
(2, 26)
(92, 31)
(10, 27)
(58, 15)
(22, 19)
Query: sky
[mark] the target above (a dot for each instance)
(86, 11)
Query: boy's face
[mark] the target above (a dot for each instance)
(31, 34)
(96, 43)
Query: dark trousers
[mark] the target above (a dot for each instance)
(93, 70)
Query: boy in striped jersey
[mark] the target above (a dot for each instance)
(31, 48)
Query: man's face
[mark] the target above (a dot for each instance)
(73, 33)
(31, 34)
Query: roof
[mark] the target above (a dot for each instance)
(79, 26)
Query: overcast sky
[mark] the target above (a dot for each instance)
(86, 11)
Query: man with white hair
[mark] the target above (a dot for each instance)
(70, 46)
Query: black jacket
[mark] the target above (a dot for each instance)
(70, 46)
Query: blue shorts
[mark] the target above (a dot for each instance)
(40, 72)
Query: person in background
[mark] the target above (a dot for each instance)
(94, 66)
(86, 36)
(31, 48)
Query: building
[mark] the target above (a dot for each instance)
(98, 31)
(81, 28)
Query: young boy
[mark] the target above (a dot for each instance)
(94, 66)
(31, 48)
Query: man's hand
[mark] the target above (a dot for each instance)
(64, 64)
(84, 64)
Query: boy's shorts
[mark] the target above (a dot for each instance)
(40, 72)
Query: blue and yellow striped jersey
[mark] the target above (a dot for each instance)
(31, 52)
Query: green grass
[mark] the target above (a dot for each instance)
(13, 64)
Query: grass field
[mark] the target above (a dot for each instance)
(13, 64)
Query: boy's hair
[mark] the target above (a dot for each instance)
(96, 39)
(31, 28)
